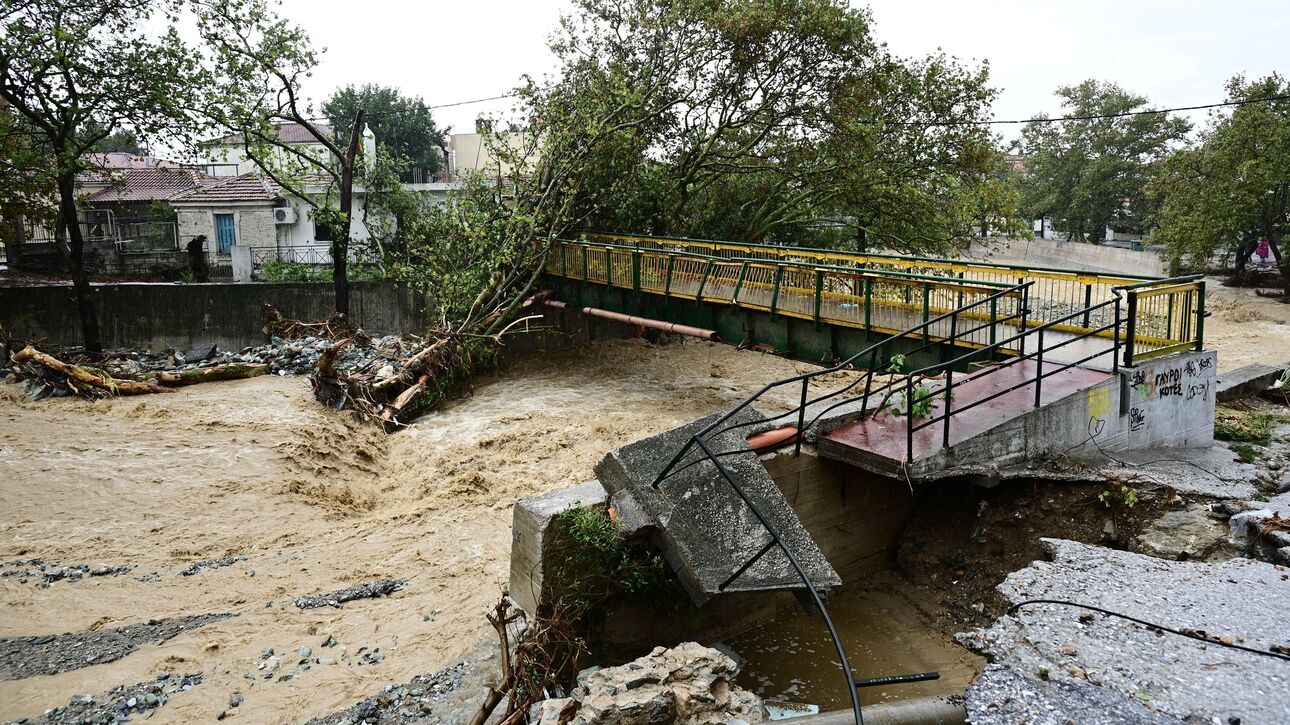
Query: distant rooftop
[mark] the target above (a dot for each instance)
(143, 183)
(286, 133)
(247, 187)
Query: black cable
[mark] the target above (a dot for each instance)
(1152, 625)
(1090, 117)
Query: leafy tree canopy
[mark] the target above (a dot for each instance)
(403, 125)
(1088, 174)
(73, 70)
(1232, 188)
(773, 122)
(121, 141)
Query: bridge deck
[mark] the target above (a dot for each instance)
(879, 443)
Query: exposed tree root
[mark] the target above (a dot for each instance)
(393, 395)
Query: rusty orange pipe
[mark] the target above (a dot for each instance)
(639, 321)
(771, 439)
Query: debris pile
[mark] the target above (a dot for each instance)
(135, 372)
(48, 572)
(119, 703)
(688, 683)
(370, 590)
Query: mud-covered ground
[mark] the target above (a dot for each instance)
(239, 498)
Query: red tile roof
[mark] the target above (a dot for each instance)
(247, 187)
(145, 184)
(286, 133)
(117, 160)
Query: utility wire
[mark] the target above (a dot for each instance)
(1090, 117)
(477, 100)
(1152, 625)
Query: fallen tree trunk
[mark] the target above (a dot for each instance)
(94, 383)
(193, 376)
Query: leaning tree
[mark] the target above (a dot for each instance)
(260, 61)
(75, 70)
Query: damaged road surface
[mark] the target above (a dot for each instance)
(1055, 663)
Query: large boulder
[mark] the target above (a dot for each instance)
(688, 684)
(1183, 535)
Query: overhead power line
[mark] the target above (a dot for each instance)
(477, 100)
(1090, 117)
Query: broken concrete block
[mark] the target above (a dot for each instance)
(703, 526)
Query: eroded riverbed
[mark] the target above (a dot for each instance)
(296, 500)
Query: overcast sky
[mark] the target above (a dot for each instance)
(1177, 52)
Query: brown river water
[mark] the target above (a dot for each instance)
(317, 503)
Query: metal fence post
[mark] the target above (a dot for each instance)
(774, 294)
(703, 282)
(1130, 331)
(1200, 315)
(949, 397)
(1039, 368)
(819, 294)
(1115, 336)
(801, 420)
(739, 283)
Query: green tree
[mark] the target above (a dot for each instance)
(779, 120)
(258, 62)
(121, 141)
(403, 126)
(28, 195)
(1233, 188)
(75, 69)
(1090, 173)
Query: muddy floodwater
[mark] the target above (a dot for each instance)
(794, 659)
(261, 496)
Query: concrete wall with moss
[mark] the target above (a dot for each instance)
(855, 517)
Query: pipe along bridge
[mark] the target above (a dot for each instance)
(948, 368)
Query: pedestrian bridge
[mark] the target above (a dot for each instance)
(950, 349)
(949, 368)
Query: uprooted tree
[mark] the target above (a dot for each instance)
(688, 117)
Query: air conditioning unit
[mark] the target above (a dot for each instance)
(284, 215)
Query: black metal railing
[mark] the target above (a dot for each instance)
(999, 354)
(703, 439)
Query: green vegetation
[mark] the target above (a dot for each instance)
(917, 400)
(1090, 174)
(1121, 494)
(278, 271)
(1245, 452)
(594, 567)
(1221, 196)
(1243, 426)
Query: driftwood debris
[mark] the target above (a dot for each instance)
(81, 380)
(193, 376)
(274, 323)
(443, 362)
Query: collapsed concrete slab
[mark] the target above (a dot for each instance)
(1056, 663)
(704, 528)
(1247, 380)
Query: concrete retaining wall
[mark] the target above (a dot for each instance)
(160, 316)
(854, 517)
(1068, 255)
(1163, 403)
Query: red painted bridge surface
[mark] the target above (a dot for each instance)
(879, 443)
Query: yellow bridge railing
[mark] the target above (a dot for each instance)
(1164, 315)
(877, 300)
